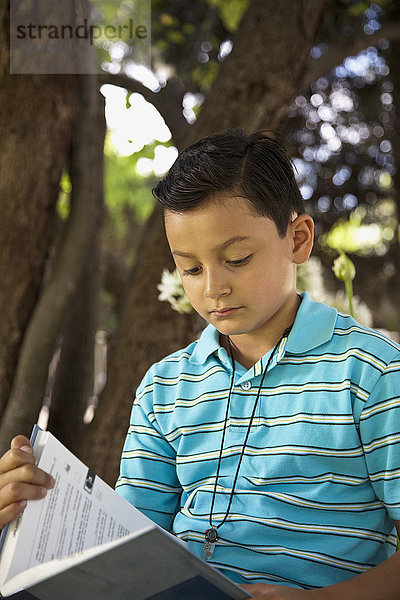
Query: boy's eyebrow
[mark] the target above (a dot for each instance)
(223, 246)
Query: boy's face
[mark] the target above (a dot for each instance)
(238, 273)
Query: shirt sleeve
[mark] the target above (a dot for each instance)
(148, 478)
(380, 435)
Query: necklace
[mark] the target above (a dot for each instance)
(211, 534)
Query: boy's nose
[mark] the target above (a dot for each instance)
(216, 286)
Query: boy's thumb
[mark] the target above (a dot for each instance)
(21, 442)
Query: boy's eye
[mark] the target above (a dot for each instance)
(240, 261)
(233, 263)
(193, 271)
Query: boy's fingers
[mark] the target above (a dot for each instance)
(14, 458)
(10, 512)
(22, 443)
(26, 473)
(16, 492)
(20, 479)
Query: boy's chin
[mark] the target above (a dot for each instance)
(230, 330)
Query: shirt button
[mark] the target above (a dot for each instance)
(246, 385)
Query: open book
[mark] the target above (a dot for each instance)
(85, 542)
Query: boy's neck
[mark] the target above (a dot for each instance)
(248, 348)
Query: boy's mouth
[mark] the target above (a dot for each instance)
(224, 312)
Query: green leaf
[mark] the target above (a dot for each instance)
(175, 37)
(231, 11)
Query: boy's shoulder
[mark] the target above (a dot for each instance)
(347, 326)
(320, 328)
(191, 358)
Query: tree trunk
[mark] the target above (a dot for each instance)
(254, 88)
(36, 117)
(46, 324)
(74, 378)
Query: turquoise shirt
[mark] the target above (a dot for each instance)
(319, 483)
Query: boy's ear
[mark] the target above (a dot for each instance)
(302, 231)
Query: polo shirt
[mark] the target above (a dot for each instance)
(319, 484)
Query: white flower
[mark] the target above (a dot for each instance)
(181, 305)
(170, 285)
(172, 291)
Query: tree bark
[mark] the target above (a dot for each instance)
(36, 117)
(266, 66)
(50, 312)
(74, 378)
(253, 89)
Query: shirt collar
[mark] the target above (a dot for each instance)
(313, 326)
(206, 345)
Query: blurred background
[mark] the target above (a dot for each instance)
(81, 249)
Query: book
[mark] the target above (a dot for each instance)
(83, 541)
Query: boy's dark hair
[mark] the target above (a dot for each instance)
(254, 166)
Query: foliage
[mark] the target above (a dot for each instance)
(63, 202)
(231, 11)
(115, 25)
(355, 236)
(125, 190)
(346, 157)
(187, 38)
(341, 130)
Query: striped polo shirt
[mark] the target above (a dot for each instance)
(319, 483)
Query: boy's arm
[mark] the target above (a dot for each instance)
(378, 583)
(148, 478)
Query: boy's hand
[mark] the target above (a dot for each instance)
(20, 479)
(265, 591)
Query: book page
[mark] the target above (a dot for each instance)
(150, 565)
(80, 512)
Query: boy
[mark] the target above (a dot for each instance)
(272, 443)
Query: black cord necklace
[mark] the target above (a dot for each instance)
(211, 534)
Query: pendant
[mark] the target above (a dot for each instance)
(210, 539)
